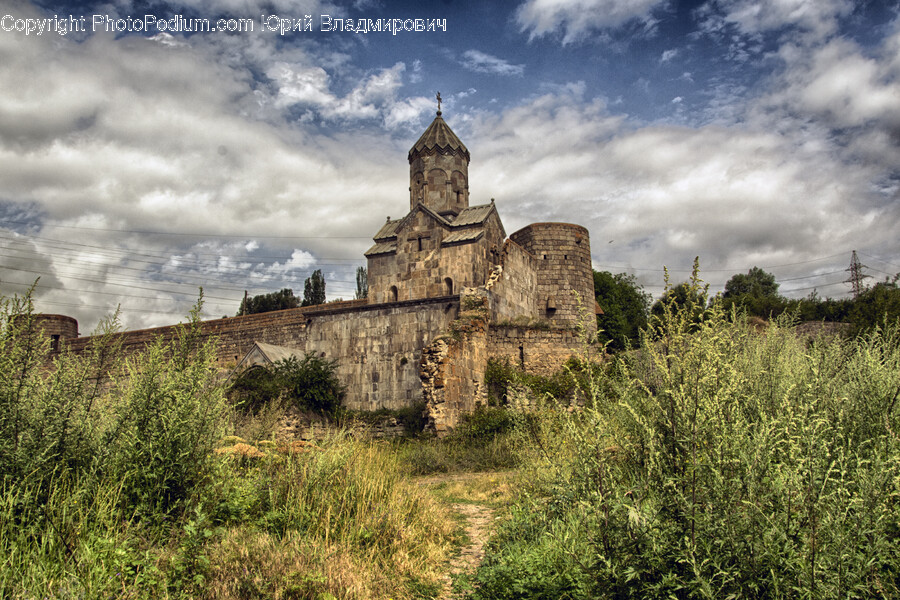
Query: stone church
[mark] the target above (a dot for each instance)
(448, 290)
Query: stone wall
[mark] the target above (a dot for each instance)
(563, 256)
(512, 294)
(235, 335)
(379, 348)
(453, 365)
(537, 351)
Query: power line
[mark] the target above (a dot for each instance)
(206, 235)
(136, 287)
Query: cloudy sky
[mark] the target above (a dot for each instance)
(137, 166)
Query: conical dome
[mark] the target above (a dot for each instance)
(438, 138)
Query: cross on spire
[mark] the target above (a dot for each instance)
(439, 102)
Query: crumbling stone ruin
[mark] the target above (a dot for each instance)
(448, 289)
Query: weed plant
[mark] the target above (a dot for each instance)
(718, 461)
(483, 441)
(338, 518)
(114, 484)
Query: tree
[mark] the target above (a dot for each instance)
(362, 283)
(755, 291)
(877, 305)
(684, 295)
(314, 289)
(269, 302)
(756, 283)
(625, 306)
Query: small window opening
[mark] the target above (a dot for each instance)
(54, 342)
(448, 286)
(392, 294)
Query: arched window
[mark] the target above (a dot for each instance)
(448, 286)
(392, 294)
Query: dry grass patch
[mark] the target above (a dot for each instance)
(496, 488)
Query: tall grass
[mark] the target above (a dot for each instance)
(723, 462)
(481, 442)
(340, 518)
(114, 484)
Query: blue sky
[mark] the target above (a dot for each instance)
(136, 167)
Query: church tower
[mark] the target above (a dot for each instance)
(439, 170)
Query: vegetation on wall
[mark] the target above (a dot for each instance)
(502, 378)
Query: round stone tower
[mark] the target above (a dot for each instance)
(56, 327)
(563, 253)
(439, 170)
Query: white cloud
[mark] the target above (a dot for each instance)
(311, 86)
(407, 112)
(813, 19)
(838, 83)
(300, 260)
(731, 193)
(576, 19)
(480, 62)
(301, 84)
(131, 135)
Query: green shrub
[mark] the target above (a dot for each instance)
(500, 376)
(310, 383)
(253, 389)
(171, 417)
(484, 423)
(733, 463)
(99, 456)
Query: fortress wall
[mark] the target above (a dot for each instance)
(563, 255)
(512, 295)
(379, 348)
(235, 335)
(537, 351)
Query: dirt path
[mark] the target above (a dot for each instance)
(478, 521)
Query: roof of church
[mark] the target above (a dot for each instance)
(464, 227)
(473, 215)
(388, 230)
(439, 137)
(463, 235)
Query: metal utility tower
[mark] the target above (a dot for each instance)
(856, 275)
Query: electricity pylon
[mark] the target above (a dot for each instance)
(856, 275)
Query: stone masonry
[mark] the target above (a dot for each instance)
(447, 291)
